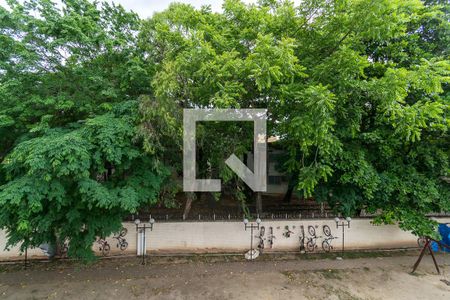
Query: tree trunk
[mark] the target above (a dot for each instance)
(190, 196)
(258, 203)
(291, 185)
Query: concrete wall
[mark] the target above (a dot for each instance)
(198, 237)
(14, 252)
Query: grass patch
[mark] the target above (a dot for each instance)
(196, 258)
(330, 274)
(289, 274)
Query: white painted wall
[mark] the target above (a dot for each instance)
(230, 236)
(14, 252)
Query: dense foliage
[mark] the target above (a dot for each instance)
(356, 90)
(91, 101)
(73, 165)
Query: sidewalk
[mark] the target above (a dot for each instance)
(358, 278)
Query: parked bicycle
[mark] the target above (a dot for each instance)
(104, 246)
(122, 244)
(302, 239)
(287, 233)
(261, 239)
(270, 237)
(326, 243)
(311, 244)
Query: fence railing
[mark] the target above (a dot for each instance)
(228, 217)
(211, 217)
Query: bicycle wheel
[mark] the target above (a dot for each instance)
(326, 230)
(262, 231)
(261, 247)
(123, 245)
(302, 244)
(311, 230)
(105, 249)
(123, 232)
(326, 246)
(310, 246)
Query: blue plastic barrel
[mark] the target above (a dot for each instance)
(444, 231)
(434, 246)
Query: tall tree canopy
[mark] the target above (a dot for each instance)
(91, 101)
(73, 164)
(356, 90)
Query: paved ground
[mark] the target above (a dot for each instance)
(283, 277)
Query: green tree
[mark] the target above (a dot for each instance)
(72, 162)
(78, 182)
(356, 90)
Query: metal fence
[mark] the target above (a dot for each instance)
(211, 217)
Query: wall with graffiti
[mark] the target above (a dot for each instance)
(304, 236)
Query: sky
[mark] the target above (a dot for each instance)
(146, 8)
